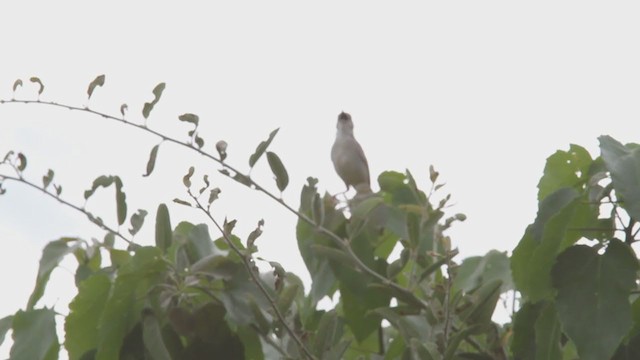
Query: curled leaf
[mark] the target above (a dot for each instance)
(157, 92)
(206, 183)
(22, 162)
(46, 180)
(199, 141)
(101, 181)
(186, 180)
(58, 189)
(213, 195)
(123, 108)
(433, 174)
(137, 220)
(221, 147)
(37, 81)
(255, 234)
(98, 81)
(228, 226)
(190, 118)
(152, 160)
(16, 84)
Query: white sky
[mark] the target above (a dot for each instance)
(484, 91)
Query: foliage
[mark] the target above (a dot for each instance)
(398, 291)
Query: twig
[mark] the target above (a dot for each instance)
(254, 277)
(89, 216)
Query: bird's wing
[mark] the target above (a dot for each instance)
(362, 157)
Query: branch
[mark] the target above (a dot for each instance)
(247, 264)
(251, 183)
(89, 216)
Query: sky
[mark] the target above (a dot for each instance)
(483, 91)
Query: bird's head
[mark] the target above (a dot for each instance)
(344, 122)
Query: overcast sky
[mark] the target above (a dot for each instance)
(484, 91)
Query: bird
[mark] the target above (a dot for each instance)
(348, 157)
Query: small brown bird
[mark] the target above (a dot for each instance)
(348, 158)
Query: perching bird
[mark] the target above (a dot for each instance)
(348, 157)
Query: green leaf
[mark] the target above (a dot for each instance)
(564, 169)
(34, 335)
(623, 162)
(483, 301)
(5, 325)
(148, 106)
(548, 334)
(137, 220)
(561, 218)
(46, 180)
(278, 169)
(199, 244)
(151, 164)
(123, 109)
(523, 345)
(126, 300)
(190, 118)
(37, 80)
(121, 201)
(285, 299)
(85, 311)
(98, 81)
(329, 332)
(152, 337)
(262, 147)
(164, 234)
(16, 84)
(221, 147)
(475, 271)
(52, 255)
(593, 297)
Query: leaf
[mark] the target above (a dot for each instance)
(182, 202)
(190, 118)
(22, 162)
(85, 311)
(221, 147)
(58, 189)
(164, 234)
(126, 300)
(624, 165)
(565, 169)
(37, 81)
(186, 180)
(278, 169)
(123, 109)
(137, 220)
(213, 195)
(5, 326)
(474, 271)
(329, 332)
(52, 255)
(101, 181)
(98, 81)
(121, 201)
(16, 84)
(152, 160)
(255, 234)
(593, 296)
(523, 344)
(34, 335)
(433, 174)
(152, 337)
(484, 301)
(46, 180)
(286, 298)
(148, 106)
(199, 141)
(262, 147)
(548, 334)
